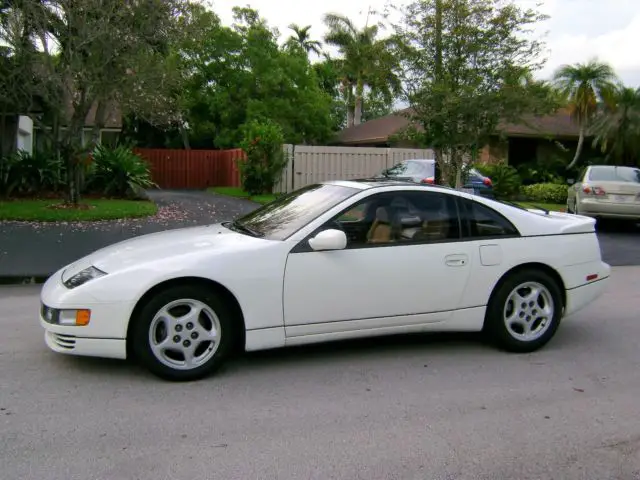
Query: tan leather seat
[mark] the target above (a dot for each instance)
(380, 231)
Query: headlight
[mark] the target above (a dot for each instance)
(83, 277)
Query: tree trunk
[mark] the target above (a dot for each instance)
(458, 166)
(438, 77)
(98, 124)
(578, 149)
(348, 95)
(357, 117)
(185, 136)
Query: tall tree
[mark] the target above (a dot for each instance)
(239, 73)
(302, 38)
(616, 128)
(585, 86)
(106, 51)
(465, 67)
(366, 61)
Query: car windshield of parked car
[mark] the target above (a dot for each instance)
(410, 169)
(287, 214)
(614, 174)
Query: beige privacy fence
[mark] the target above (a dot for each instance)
(307, 165)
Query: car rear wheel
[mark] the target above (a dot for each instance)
(524, 311)
(183, 333)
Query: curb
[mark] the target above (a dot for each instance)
(23, 280)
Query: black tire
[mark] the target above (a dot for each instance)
(141, 342)
(569, 209)
(495, 325)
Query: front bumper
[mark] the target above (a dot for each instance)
(104, 336)
(88, 347)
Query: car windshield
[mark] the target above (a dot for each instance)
(614, 174)
(410, 169)
(287, 214)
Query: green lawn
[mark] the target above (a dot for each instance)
(554, 207)
(239, 193)
(90, 209)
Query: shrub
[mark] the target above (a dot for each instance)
(505, 178)
(546, 193)
(25, 174)
(118, 172)
(262, 143)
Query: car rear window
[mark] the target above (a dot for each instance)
(614, 174)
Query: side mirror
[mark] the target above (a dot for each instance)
(570, 181)
(331, 239)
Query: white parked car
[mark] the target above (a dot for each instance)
(332, 261)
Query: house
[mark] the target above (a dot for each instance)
(530, 140)
(30, 137)
(108, 134)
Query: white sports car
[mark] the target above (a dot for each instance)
(331, 261)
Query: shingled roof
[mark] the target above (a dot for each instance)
(558, 125)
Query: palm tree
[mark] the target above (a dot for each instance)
(585, 86)
(366, 61)
(302, 38)
(617, 128)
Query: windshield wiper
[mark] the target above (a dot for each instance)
(243, 228)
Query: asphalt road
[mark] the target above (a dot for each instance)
(417, 407)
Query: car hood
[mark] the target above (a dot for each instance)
(156, 247)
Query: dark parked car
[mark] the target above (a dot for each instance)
(480, 184)
(417, 170)
(424, 171)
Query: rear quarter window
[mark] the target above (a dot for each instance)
(480, 221)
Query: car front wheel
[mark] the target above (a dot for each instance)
(525, 311)
(183, 333)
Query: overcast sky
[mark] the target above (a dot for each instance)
(577, 30)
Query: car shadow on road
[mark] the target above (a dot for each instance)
(345, 352)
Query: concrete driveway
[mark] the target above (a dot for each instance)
(418, 407)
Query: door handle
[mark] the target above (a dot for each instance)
(456, 260)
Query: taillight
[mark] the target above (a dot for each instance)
(589, 190)
(429, 180)
(487, 181)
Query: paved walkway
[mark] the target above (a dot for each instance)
(29, 249)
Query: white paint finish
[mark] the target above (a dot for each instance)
(467, 320)
(400, 322)
(440, 286)
(105, 320)
(372, 282)
(490, 255)
(90, 347)
(581, 297)
(250, 268)
(264, 339)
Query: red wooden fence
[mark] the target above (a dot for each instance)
(197, 169)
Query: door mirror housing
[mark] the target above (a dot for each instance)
(331, 239)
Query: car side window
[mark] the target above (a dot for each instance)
(484, 222)
(399, 218)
